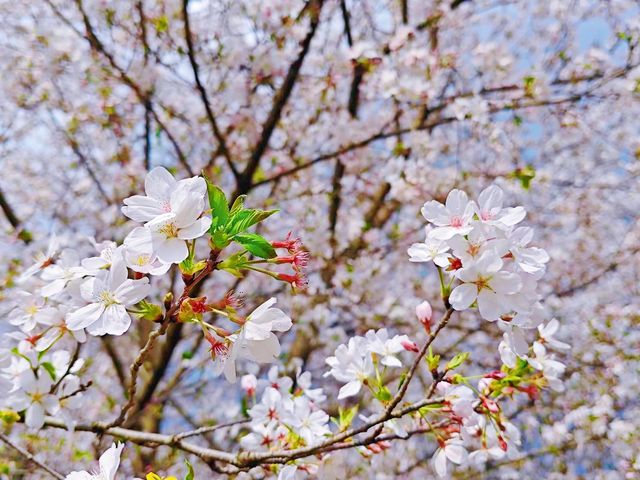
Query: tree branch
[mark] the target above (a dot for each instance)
(30, 457)
(203, 93)
(279, 102)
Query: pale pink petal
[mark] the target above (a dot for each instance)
(132, 291)
(142, 209)
(350, 389)
(505, 283)
(172, 250)
(489, 305)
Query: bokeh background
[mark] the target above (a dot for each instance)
(347, 115)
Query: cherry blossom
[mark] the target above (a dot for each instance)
(165, 195)
(33, 396)
(485, 282)
(451, 219)
(352, 364)
(29, 311)
(450, 450)
(108, 295)
(109, 463)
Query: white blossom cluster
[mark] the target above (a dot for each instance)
(65, 296)
(355, 362)
(491, 265)
(286, 416)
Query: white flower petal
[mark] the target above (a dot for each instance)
(463, 296)
(85, 316)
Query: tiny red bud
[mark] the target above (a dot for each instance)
(298, 280)
(290, 244)
(490, 405)
(454, 264)
(503, 443)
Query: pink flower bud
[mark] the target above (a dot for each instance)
(410, 346)
(502, 443)
(424, 312)
(249, 383)
(490, 405)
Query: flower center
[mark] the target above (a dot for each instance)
(142, 260)
(107, 298)
(170, 230)
(482, 283)
(473, 249)
(456, 222)
(32, 309)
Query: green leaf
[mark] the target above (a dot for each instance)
(233, 264)
(529, 86)
(219, 206)
(9, 416)
(51, 370)
(187, 355)
(255, 244)
(431, 407)
(161, 23)
(238, 204)
(384, 395)
(456, 361)
(190, 474)
(149, 311)
(190, 267)
(346, 417)
(432, 360)
(220, 239)
(243, 219)
(524, 175)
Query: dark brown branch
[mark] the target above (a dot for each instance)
(84, 161)
(404, 10)
(107, 343)
(174, 336)
(203, 93)
(347, 23)
(143, 96)
(279, 101)
(336, 199)
(13, 219)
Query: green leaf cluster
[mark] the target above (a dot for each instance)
(230, 223)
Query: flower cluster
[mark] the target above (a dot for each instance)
(40, 382)
(489, 262)
(65, 295)
(356, 362)
(254, 341)
(287, 416)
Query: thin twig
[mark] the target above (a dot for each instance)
(30, 457)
